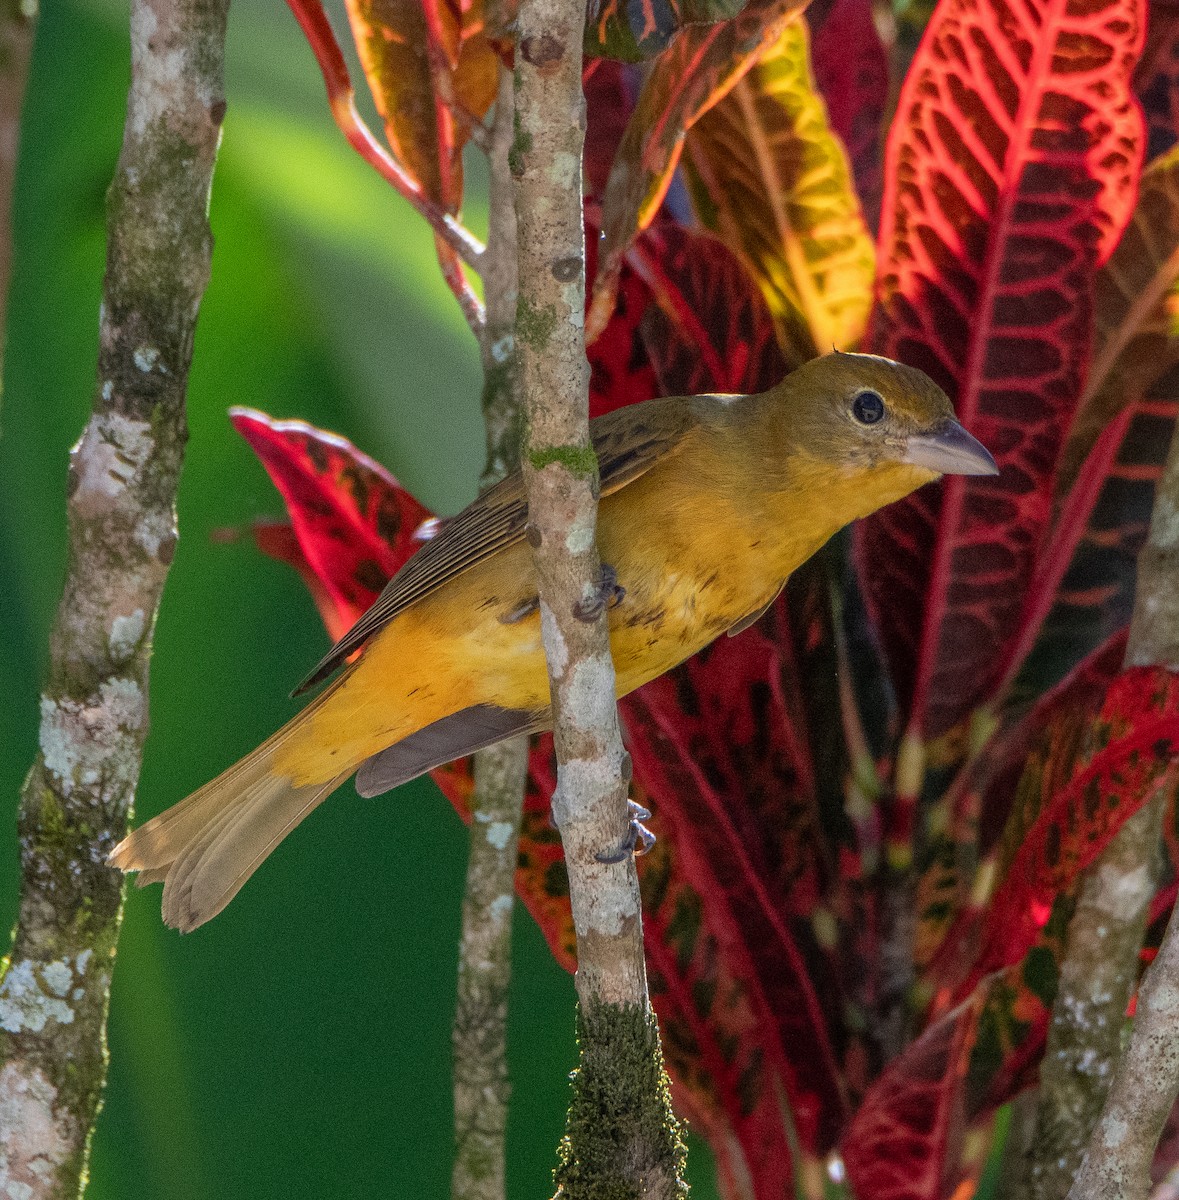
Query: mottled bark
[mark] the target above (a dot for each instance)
(18, 21)
(621, 1138)
(122, 537)
(502, 401)
(1097, 978)
(1118, 1154)
(481, 1085)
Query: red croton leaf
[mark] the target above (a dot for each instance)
(906, 1135)
(979, 803)
(1090, 773)
(689, 319)
(1157, 79)
(608, 103)
(721, 747)
(1095, 595)
(1092, 752)
(712, 1028)
(851, 70)
(621, 371)
(1011, 172)
(354, 521)
(708, 328)
(904, 1141)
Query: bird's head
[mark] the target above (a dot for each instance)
(871, 416)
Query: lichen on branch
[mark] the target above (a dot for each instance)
(122, 537)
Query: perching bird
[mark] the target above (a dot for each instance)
(708, 503)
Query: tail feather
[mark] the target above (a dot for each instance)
(207, 877)
(206, 847)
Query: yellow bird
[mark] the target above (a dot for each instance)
(708, 503)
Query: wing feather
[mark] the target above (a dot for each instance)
(628, 443)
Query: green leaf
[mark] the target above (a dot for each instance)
(771, 179)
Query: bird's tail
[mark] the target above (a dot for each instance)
(204, 848)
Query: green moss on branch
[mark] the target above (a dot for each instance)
(613, 1150)
(581, 460)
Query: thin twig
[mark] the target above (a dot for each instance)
(1119, 1151)
(122, 537)
(449, 187)
(460, 285)
(620, 1095)
(481, 1085)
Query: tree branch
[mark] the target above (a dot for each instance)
(481, 1085)
(1119, 1152)
(1097, 979)
(621, 1138)
(122, 537)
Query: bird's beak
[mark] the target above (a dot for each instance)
(950, 450)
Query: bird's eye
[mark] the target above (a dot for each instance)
(868, 407)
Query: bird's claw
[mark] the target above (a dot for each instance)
(639, 839)
(606, 595)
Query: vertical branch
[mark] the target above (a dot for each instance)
(621, 1136)
(502, 401)
(1096, 980)
(18, 20)
(1119, 1152)
(122, 537)
(481, 1085)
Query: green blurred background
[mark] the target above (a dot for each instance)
(300, 1044)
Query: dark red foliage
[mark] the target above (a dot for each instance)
(608, 104)
(903, 1139)
(1095, 765)
(1157, 79)
(356, 525)
(708, 328)
(851, 70)
(688, 320)
(720, 746)
(1011, 171)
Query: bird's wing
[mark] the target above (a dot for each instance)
(456, 736)
(628, 443)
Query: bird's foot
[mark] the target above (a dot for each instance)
(606, 595)
(639, 839)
